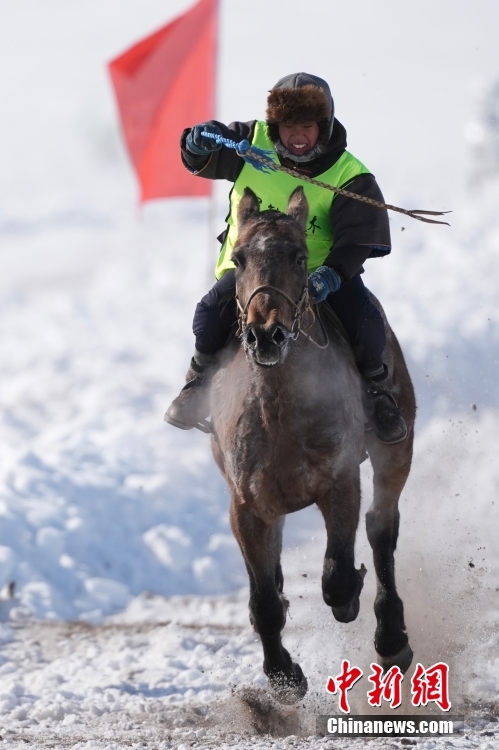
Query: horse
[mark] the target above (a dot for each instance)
(289, 431)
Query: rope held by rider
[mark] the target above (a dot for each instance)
(262, 160)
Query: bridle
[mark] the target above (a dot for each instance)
(299, 309)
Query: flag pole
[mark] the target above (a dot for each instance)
(212, 206)
(212, 228)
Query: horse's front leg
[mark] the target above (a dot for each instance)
(382, 523)
(261, 545)
(341, 582)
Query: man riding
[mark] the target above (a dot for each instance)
(342, 234)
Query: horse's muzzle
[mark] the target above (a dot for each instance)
(266, 346)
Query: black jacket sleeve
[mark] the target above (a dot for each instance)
(223, 164)
(359, 229)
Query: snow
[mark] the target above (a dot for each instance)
(94, 486)
(179, 670)
(128, 620)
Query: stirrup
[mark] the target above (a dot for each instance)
(204, 425)
(375, 390)
(372, 394)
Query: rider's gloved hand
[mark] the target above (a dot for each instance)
(322, 282)
(201, 145)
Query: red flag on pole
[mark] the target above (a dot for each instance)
(164, 84)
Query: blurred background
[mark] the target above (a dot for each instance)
(99, 499)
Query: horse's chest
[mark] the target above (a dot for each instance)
(285, 487)
(279, 473)
(283, 446)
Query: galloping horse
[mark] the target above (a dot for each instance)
(289, 432)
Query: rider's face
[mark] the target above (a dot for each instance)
(299, 138)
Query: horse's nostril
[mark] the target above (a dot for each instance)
(251, 338)
(278, 336)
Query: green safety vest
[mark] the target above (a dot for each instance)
(273, 191)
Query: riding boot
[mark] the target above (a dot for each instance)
(192, 405)
(381, 408)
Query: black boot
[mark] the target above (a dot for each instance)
(382, 410)
(192, 405)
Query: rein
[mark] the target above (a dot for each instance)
(300, 307)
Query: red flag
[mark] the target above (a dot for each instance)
(164, 84)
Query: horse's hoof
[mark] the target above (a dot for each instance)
(402, 660)
(289, 690)
(347, 613)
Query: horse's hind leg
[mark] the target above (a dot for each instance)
(391, 468)
(261, 545)
(341, 582)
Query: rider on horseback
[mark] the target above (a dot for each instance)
(342, 234)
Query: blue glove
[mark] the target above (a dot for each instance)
(200, 145)
(322, 282)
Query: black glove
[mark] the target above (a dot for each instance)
(200, 145)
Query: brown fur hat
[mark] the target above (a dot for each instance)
(306, 104)
(300, 97)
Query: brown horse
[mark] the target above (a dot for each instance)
(289, 432)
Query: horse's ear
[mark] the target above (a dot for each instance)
(298, 207)
(248, 207)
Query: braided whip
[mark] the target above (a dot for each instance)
(262, 160)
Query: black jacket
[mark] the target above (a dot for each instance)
(360, 231)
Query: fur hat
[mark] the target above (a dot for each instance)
(305, 104)
(301, 97)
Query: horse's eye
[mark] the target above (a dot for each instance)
(301, 261)
(238, 259)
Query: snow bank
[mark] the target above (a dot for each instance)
(100, 499)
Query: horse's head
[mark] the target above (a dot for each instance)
(271, 276)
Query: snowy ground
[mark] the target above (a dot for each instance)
(123, 618)
(184, 672)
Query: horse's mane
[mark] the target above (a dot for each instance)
(268, 218)
(272, 215)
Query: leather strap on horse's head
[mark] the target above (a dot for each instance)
(300, 307)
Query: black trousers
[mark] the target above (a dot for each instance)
(216, 314)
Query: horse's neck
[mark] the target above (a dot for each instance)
(271, 386)
(296, 380)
